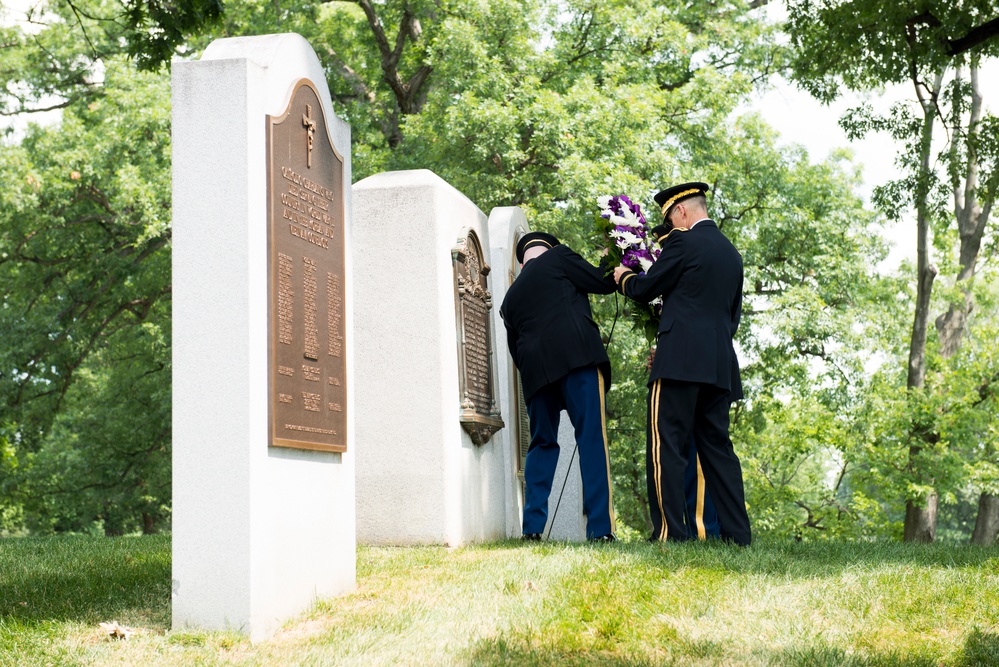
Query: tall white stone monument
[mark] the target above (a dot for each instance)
(430, 469)
(263, 351)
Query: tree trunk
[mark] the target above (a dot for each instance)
(921, 522)
(926, 272)
(987, 523)
(410, 94)
(972, 218)
(148, 524)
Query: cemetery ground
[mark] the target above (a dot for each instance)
(506, 603)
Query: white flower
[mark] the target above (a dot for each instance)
(626, 237)
(646, 264)
(604, 202)
(630, 216)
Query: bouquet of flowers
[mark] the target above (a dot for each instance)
(630, 244)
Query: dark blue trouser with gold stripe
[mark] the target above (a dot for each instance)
(701, 516)
(581, 394)
(677, 411)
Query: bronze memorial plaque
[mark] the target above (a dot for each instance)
(308, 384)
(473, 302)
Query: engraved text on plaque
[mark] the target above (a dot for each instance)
(306, 278)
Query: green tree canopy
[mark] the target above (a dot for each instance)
(951, 182)
(85, 265)
(538, 104)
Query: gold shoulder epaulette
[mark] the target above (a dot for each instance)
(666, 235)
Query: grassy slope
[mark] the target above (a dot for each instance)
(550, 604)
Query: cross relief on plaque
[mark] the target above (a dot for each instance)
(310, 128)
(479, 415)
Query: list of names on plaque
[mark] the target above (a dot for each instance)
(286, 299)
(335, 308)
(475, 317)
(311, 310)
(306, 241)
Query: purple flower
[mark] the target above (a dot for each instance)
(633, 207)
(628, 232)
(630, 258)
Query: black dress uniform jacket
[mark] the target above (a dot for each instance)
(699, 274)
(550, 329)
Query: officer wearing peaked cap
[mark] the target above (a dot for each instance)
(563, 365)
(701, 518)
(695, 373)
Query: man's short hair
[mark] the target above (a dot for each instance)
(700, 201)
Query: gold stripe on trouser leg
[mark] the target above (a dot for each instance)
(699, 512)
(603, 429)
(657, 468)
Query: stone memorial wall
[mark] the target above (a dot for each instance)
(431, 468)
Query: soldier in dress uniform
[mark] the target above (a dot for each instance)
(695, 373)
(563, 365)
(700, 515)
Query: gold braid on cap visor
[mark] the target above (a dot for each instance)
(535, 242)
(672, 200)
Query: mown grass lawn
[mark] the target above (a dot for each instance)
(776, 603)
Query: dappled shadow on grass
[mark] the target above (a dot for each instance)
(85, 579)
(504, 651)
(980, 649)
(786, 558)
(657, 592)
(791, 559)
(837, 657)
(527, 652)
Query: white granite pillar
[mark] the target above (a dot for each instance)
(421, 479)
(258, 531)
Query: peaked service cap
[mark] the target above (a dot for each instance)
(670, 196)
(532, 239)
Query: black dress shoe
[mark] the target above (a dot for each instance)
(531, 537)
(609, 537)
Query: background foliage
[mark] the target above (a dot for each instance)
(545, 105)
